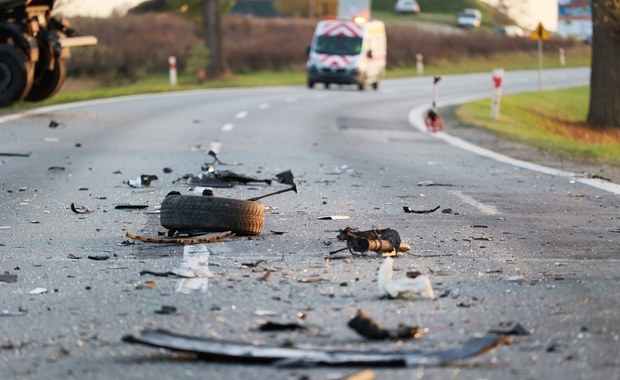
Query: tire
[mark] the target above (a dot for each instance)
(361, 86)
(16, 75)
(205, 213)
(375, 86)
(310, 84)
(49, 82)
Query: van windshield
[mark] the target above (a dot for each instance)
(340, 45)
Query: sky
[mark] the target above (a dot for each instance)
(94, 8)
(528, 15)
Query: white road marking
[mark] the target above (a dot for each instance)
(291, 100)
(416, 119)
(242, 115)
(485, 209)
(228, 127)
(264, 106)
(194, 269)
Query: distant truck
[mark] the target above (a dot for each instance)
(347, 52)
(33, 46)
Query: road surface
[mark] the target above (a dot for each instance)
(506, 245)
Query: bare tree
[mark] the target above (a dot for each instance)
(604, 110)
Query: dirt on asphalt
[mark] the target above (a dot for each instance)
(526, 152)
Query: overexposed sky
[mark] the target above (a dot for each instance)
(528, 14)
(94, 8)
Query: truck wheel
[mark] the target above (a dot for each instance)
(16, 75)
(205, 213)
(361, 86)
(49, 82)
(375, 86)
(310, 84)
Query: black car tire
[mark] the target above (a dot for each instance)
(49, 83)
(16, 75)
(205, 213)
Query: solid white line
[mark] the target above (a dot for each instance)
(416, 119)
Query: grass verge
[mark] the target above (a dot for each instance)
(553, 121)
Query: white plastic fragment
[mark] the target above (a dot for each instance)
(37, 291)
(405, 287)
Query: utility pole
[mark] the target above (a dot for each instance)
(212, 20)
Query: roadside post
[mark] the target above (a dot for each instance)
(436, 81)
(172, 68)
(562, 57)
(540, 34)
(419, 63)
(498, 79)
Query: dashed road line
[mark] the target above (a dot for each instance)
(485, 209)
(242, 115)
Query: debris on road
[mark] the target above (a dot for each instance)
(199, 239)
(292, 188)
(405, 287)
(409, 210)
(14, 154)
(99, 257)
(365, 326)
(227, 351)
(37, 291)
(130, 207)
(286, 178)
(187, 213)
(510, 328)
(334, 217)
(8, 278)
(386, 241)
(277, 326)
(80, 209)
(143, 180)
(166, 310)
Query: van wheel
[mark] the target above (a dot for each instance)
(327, 85)
(310, 84)
(375, 86)
(205, 213)
(16, 75)
(361, 87)
(49, 83)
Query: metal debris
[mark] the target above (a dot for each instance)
(276, 326)
(14, 154)
(334, 217)
(37, 291)
(376, 240)
(510, 328)
(130, 207)
(80, 209)
(292, 188)
(286, 178)
(8, 278)
(166, 310)
(365, 326)
(227, 351)
(409, 210)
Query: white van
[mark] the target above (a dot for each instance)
(347, 52)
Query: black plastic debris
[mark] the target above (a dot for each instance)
(99, 257)
(79, 209)
(130, 207)
(158, 274)
(56, 169)
(167, 170)
(409, 210)
(286, 177)
(166, 310)
(14, 154)
(54, 124)
(377, 240)
(8, 278)
(229, 351)
(365, 326)
(276, 326)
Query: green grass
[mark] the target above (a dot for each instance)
(552, 120)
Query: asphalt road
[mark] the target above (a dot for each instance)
(508, 244)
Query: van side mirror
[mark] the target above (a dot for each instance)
(369, 54)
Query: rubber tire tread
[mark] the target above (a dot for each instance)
(22, 71)
(205, 213)
(49, 84)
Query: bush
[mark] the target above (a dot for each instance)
(137, 45)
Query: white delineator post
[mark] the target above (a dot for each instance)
(419, 59)
(498, 79)
(562, 57)
(172, 67)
